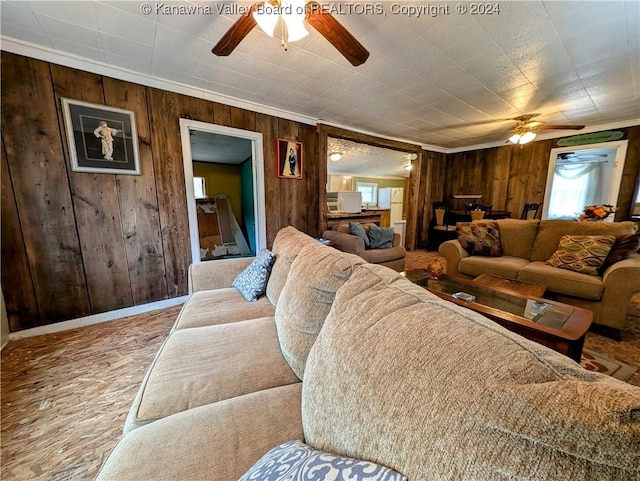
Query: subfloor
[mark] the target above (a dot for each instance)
(65, 396)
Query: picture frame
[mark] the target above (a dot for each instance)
(101, 139)
(289, 162)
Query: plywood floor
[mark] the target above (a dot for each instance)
(65, 396)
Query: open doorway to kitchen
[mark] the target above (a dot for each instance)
(224, 181)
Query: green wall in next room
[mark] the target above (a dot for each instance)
(381, 182)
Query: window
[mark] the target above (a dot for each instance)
(369, 192)
(199, 189)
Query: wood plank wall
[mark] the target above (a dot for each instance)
(507, 177)
(75, 244)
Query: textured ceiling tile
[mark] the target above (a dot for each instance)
(128, 63)
(127, 25)
(167, 61)
(126, 48)
(469, 46)
(18, 18)
(12, 31)
(78, 13)
(77, 49)
(71, 33)
(177, 43)
(131, 7)
(442, 34)
(455, 80)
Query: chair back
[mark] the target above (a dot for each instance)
(530, 210)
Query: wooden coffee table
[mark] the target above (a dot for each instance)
(560, 326)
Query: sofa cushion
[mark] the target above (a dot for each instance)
(480, 237)
(355, 228)
(295, 460)
(517, 236)
(378, 256)
(436, 391)
(380, 237)
(218, 441)
(563, 281)
(504, 266)
(582, 253)
(252, 282)
(551, 231)
(625, 246)
(286, 246)
(315, 276)
(221, 306)
(202, 365)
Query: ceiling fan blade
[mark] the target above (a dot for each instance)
(238, 31)
(336, 34)
(559, 127)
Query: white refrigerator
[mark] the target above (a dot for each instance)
(392, 198)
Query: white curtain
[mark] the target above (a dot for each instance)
(574, 187)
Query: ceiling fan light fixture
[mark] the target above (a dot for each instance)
(267, 19)
(293, 15)
(522, 138)
(335, 156)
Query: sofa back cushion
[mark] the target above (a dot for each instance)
(551, 231)
(517, 236)
(286, 247)
(436, 391)
(315, 276)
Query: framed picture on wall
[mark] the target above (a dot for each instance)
(101, 139)
(289, 159)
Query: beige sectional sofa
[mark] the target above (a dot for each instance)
(391, 374)
(526, 246)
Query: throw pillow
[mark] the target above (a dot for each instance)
(355, 228)
(582, 253)
(380, 237)
(480, 237)
(252, 282)
(623, 248)
(295, 460)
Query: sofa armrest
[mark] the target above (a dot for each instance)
(396, 240)
(453, 253)
(621, 281)
(352, 244)
(216, 274)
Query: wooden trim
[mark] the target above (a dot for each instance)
(345, 134)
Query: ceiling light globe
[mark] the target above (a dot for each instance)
(527, 137)
(514, 139)
(335, 156)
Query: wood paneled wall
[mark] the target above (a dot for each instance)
(510, 176)
(75, 244)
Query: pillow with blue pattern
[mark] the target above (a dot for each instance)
(355, 228)
(295, 461)
(381, 237)
(252, 282)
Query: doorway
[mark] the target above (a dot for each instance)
(226, 236)
(582, 176)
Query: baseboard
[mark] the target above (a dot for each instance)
(95, 318)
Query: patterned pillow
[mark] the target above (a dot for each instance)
(582, 253)
(381, 237)
(252, 282)
(355, 228)
(295, 461)
(480, 237)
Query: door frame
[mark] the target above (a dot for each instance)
(257, 167)
(613, 189)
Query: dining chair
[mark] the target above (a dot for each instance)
(530, 210)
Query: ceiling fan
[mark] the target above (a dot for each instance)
(289, 16)
(524, 129)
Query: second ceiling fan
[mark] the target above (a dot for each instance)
(289, 16)
(524, 129)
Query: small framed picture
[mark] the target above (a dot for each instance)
(289, 159)
(101, 139)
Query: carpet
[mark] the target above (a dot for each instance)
(593, 361)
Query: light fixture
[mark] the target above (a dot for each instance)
(522, 137)
(335, 156)
(290, 14)
(408, 166)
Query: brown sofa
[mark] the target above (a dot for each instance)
(391, 374)
(527, 244)
(393, 257)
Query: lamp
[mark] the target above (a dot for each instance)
(289, 13)
(335, 156)
(408, 166)
(522, 136)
